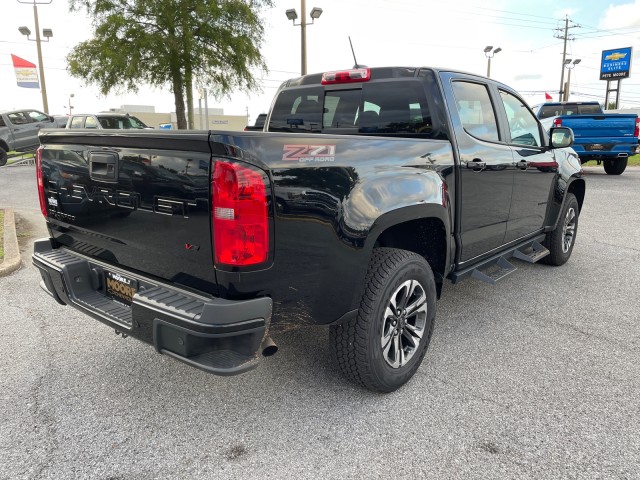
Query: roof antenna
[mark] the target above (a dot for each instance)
(354, 56)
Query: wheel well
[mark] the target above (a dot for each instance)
(4, 146)
(424, 236)
(577, 187)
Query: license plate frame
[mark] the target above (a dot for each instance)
(595, 147)
(120, 288)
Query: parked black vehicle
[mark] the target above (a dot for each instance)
(369, 190)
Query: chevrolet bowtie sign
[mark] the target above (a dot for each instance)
(616, 64)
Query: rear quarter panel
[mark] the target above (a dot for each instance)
(332, 196)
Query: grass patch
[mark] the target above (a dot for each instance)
(1, 235)
(19, 156)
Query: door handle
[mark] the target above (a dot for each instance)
(523, 164)
(477, 165)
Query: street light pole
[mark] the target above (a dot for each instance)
(48, 34)
(43, 84)
(569, 66)
(490, 54)
(293, 16)
(303, 36)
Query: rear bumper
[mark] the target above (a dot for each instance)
(218, 336)
(586, 151)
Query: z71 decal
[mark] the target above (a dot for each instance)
(309, 153)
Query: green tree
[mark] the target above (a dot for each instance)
(170, 43)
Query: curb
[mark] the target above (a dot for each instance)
(12, 258)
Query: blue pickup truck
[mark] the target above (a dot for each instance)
(606, 138)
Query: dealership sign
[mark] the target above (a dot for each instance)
(615, 64)
(26, 74)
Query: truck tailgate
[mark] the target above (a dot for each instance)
(138, 200)
(599, 127)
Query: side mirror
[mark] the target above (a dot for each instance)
(561, 137)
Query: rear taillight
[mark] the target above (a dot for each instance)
(43, 203)
(239, 211)
(557, 122)
(346, 76)
(637, 130)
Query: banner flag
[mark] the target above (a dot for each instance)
(547, 96)
(26, 74)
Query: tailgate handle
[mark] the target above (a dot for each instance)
(103, 166)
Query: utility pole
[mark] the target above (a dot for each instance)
(564, 37)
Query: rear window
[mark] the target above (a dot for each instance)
(557, 110)
(393, 108)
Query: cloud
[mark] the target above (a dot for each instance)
(622, 16)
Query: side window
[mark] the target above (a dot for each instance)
(522, 124)
(2, 124)
(76, 122)
(19, 118)
(38, 116)
(475, 110)
(90, 122)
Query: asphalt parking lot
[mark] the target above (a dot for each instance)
(537, 377)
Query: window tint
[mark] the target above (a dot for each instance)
(19, 118)
(557, 110)
(522, 124)
(590, 110)
(90, 122)
(550, 111)
(475, 110)
(396, 108)
(38, 116)
(341, 108)
(298, 110)
(77, 122)
(389, 108)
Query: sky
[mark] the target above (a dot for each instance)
(439, 33)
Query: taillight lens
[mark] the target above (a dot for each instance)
(637, 130)
(240, 218)
(43, 203)
(557, 122)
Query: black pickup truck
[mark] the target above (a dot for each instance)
(369, 190)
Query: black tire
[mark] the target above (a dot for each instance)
(561, 240)
(3, 157)
(616, 166)
(358, 343)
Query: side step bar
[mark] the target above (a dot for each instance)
(498, 267)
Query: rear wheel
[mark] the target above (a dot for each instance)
(384, 345)
(615, 166)
(3, 157)
(560, 241)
